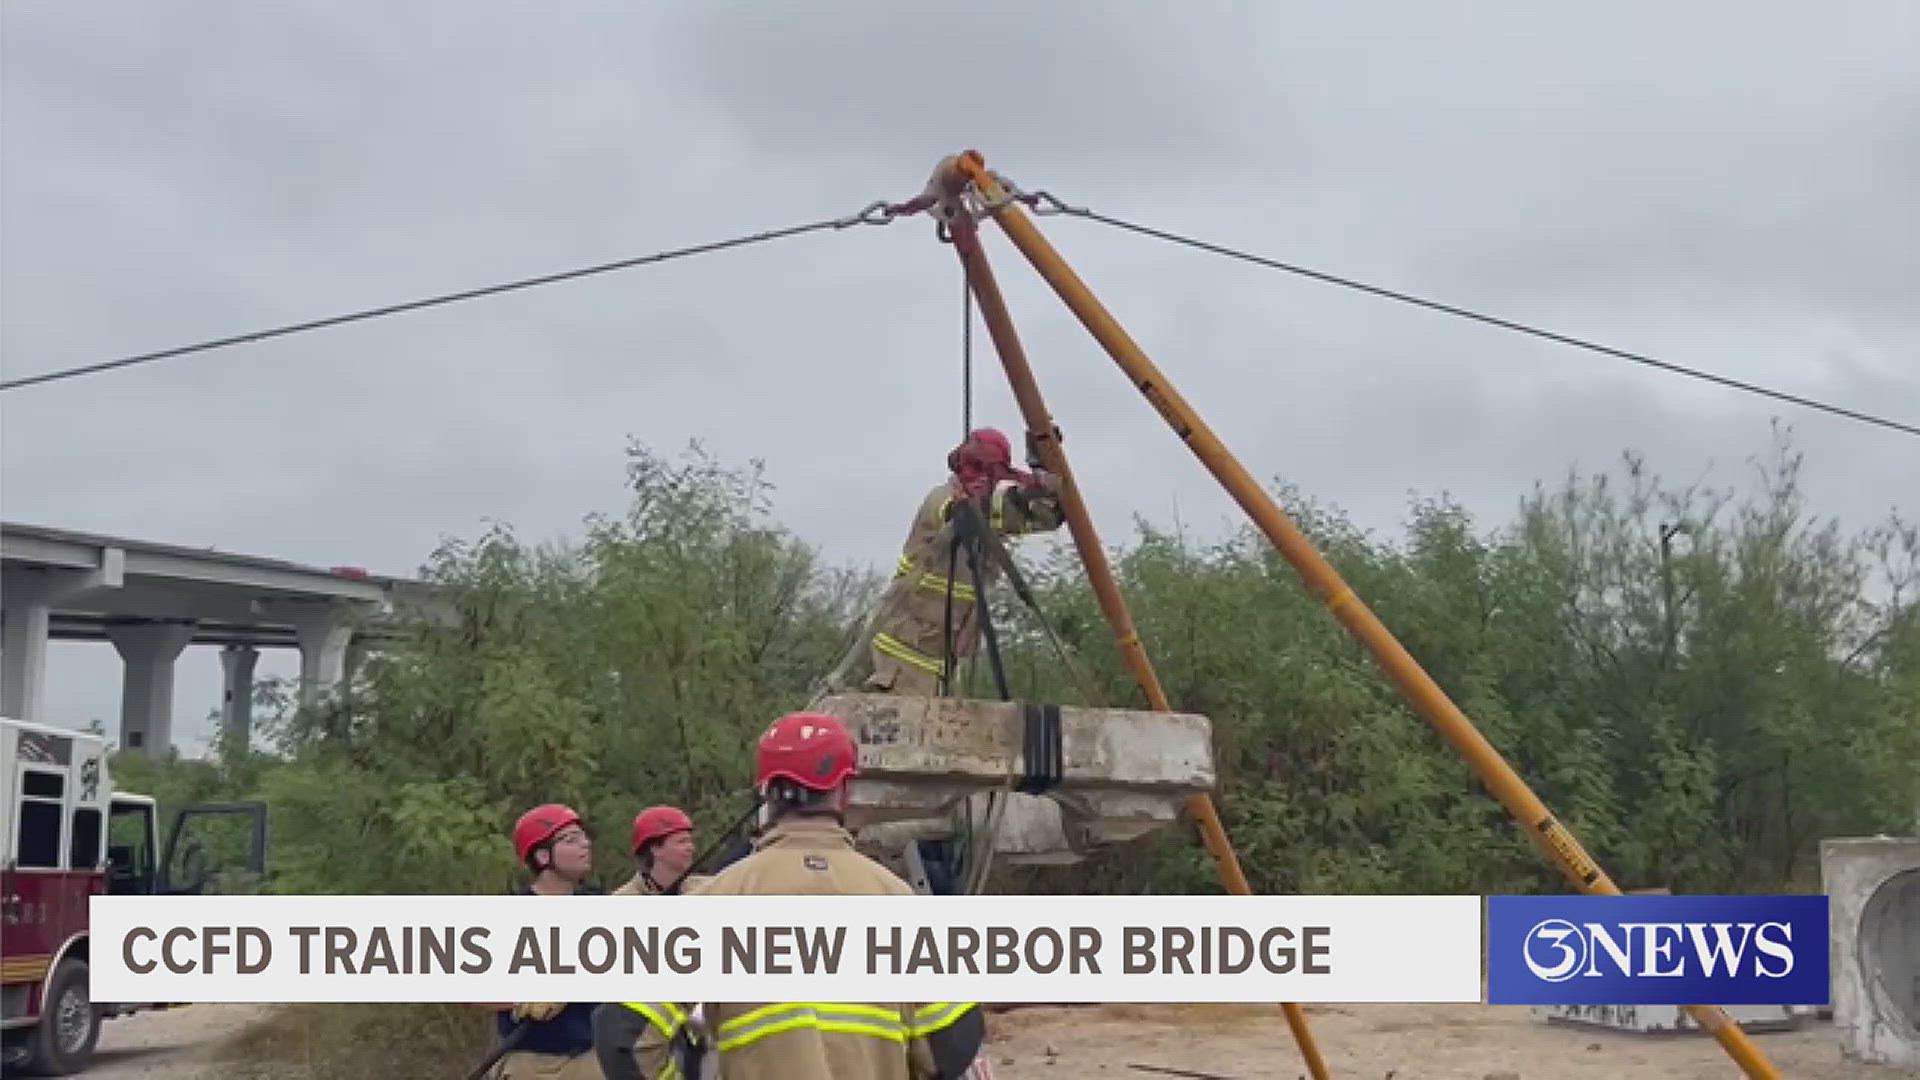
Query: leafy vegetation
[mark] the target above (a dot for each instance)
(1702, 683)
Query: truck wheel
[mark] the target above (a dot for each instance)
(62, 1042)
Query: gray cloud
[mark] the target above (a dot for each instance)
(1732, 186)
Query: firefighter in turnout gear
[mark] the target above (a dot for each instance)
(908, 648)
(663, 843)
(552, 843)
(805, 761)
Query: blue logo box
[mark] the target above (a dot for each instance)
(1657, 950)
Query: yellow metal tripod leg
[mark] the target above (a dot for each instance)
(1321, 578)
(1006, 341)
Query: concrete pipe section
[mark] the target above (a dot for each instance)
(1873, 887)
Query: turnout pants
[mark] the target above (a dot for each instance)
(523, 1065)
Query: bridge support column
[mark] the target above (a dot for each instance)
(148, 650)
(324, 638)
(28, 597)
(23, 655)
(236, 704)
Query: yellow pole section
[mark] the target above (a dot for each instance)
(1053, 456)
(1325, 583)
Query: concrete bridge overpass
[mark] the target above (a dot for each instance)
(152, 600)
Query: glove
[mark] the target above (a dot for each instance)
(539, 1011)
(1033, 452)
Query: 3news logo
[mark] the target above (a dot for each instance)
(1657, 950)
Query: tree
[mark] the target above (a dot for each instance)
(1702, 683)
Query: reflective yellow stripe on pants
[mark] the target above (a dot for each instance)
(870, 1021)
(930, 1018)
(667, 1018)
(906, 654)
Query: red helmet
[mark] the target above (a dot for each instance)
(984, 448)
(538, 825)
(984, 459)
(657, 821)
(993, 444)
(811, 749)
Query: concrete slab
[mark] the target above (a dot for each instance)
(1873, 888)
(924, 761)
(1033, 829)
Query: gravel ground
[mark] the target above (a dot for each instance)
(170, 1044)
(1381, 1042)
(1360, 1042)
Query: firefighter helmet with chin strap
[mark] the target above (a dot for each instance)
(539, 825)
(983, 449)
(810, 749)
(657, 821)
(982, 460)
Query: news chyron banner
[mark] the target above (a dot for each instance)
(1658, 950)
(1538, 950)
(786, 948)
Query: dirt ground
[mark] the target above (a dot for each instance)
(169, 1044)
(1360, 1042)
(1380, 1042)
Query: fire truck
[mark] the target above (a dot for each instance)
(70, 836)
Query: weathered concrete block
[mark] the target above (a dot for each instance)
(1873, 890)
(1033, 831)
(1124, 772)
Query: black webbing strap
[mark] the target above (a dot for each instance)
(990, 544)
(969, 531)
(946, 633)
(987, 631)
(1043, 751)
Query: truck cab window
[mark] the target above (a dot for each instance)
(130, 854)
(41, 819)
(83, 851)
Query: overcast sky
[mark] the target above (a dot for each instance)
(1735, 186)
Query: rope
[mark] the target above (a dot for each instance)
(977, 854)
(966, 354)
(1054, 206)
(1021, 589)
(877, 213)
(979, 868)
